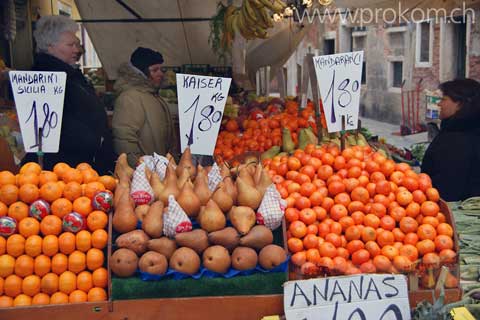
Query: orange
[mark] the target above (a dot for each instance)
(12, 286)
(429, 208)
(402, 264)
(50, 191)
(3, 209)
(15, 245)
(59, 263)
(445, 228)
(28, 227)
(360, 256)
(72, 191)
(41, 299)
(42, 265)
(32, 167)
(426, 231)
(77, 261)
(72, 175)
(51, 225)
(92, 188)
(28, 177)
(6, 302)
(432, 194)
(8, 194)
(409, 251)
(100, 277)
(66, 242)
(84, 281)
(3, 245)
(77, 296)
(67, 282)
(33, 246)
(24, 265)
(18, 211)
(47, 176)
(6, 177)
(97, 294)
(443, 242)
(82, 205)
(60, 168)
(89, 175)
(50, 245)
(108, 181)
(49, 283)
(295, 245)
(425, 246)
(31, 285)
(28, 193)
(59, 298)
(22, 300)
(83, 166)
(7, 265)
(99, 220)
(61, 207)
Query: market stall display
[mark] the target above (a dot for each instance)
(53, 235)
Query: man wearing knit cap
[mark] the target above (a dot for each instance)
(142, 123)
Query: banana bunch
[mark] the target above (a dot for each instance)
(252, 19)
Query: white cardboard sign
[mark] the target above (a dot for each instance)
(365, 296)
(201, 101)
(39, 99)
(339, 80)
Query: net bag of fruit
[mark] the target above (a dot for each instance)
(141, 191)
(214, 177)
(271, 210)
(175, 220)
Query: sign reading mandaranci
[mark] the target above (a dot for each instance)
(201, 101)
(339, 80)
(365, 296)
(39, 99)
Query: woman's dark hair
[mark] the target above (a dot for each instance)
(467, 93)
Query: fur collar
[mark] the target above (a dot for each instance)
(130, 77)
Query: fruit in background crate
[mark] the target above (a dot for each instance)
(271, 256)
(185, 260)
(153, 222)
(39, 209)
(163, 245)
(73, 222)
(188, 200)
(135, 240)
(196, 239)
(227, 237)
(242, 218)
(153, 263)
(244, 258)
(259, 237)
(211, 218)
(8, 226)
(217, 259)
(123, 262)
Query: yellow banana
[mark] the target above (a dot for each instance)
(273, 5)
(256, 3)
(265, 17)
(250, 12)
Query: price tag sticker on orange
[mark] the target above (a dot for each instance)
(201, 101)
(339, 78)
(39, 97)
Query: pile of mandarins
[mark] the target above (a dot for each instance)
(42, 263)
(355, 211)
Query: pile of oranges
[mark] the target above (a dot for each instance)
(41, 264)
(261, 134)
(355, 211)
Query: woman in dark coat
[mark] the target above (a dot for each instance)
(453, 158)
(85, 136)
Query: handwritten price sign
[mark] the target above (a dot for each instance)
(39, 101)
(201, 101)
(339, 79)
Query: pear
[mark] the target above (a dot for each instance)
(222, 198)
(124, 218)
(227, 237)
(247, 195)
(271, 256)
(186, 163)
(170, 183)
(217, 259)
(163, 245)
(242, 218)
(224, 170)
(185, 260)
(153, 222)
(122, 170)
(135, 240)
(119, 191)
(157, 185)
(287, 143)
(244, 258)
(264, 181)
(123, 262)
(141, 211)
(188, 200)
(201, 186)
(211, 218)
(196, 239)
(258, 173)
(182, 178)
(244, 173)
(257, 238)
(231, 189)
(153, 263)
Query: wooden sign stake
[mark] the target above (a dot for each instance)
(316, 99)
(40, 152)
(359, 128)
(342, 134)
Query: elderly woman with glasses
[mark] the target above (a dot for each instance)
(85, 136)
